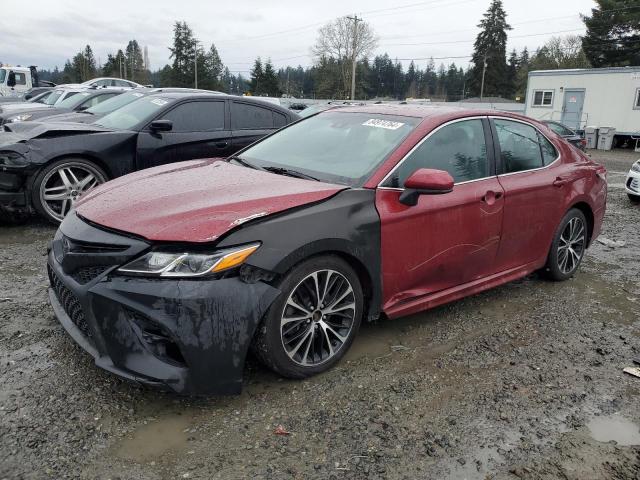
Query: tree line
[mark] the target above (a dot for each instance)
(612, 39)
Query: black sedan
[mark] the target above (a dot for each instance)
(46, 167)
(79, 102)
(569, 135)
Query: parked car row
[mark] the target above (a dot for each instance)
(170, 275)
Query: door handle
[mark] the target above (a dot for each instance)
(560, 181)
(221, 144)
(490, 197)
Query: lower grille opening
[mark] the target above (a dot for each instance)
(157, 340)
(84, 275)
(70, 304)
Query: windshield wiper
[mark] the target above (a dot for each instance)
(244, 163)
(290, 173)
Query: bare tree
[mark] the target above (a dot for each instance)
(336, 41)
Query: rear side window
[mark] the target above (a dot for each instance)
(196, 117)
(549, 153)
(458, 148)
(519, 146)
(279, 120)
(249, 117)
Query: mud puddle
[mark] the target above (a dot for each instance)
(614, 428)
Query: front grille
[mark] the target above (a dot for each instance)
(84, 275)
(634, 184)
(70, 303)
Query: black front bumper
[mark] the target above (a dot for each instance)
(189, 336)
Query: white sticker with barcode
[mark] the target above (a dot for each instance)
(159, 101)
(138, 95)
(376, 122)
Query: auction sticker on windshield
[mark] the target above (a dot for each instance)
(159, 102)
(389, 125)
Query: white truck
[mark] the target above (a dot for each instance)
(15, 81)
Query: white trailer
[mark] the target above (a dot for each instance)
(14, 81)
(600, 97)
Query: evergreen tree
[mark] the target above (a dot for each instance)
(182, 53)
(491, 47)
(270, 84)
(211, 78)
(512, 74)
(613, 33)
(257, 76)
(133, 63)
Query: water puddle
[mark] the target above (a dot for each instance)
(155, 439)
(616, 428)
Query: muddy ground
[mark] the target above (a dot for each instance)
(524, 381)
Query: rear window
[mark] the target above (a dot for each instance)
(250, 117)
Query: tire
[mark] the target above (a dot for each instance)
(568, 246)
(67, 179)
(634, 198)
(289, 349)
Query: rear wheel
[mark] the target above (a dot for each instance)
(568, 247)
(313, 322)
(59, 185)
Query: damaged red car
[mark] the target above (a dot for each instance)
(169, 276)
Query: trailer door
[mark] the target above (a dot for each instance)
(572, 108)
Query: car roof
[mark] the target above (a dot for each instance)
(198, 94)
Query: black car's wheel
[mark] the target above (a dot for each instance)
(312, 324)
(568, 246)
(634, 198)
(60, 184)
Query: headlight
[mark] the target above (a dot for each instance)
(11, 159)
(19, 118)
(636, 167)
(180, 264)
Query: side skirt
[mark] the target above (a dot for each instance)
(426, 302)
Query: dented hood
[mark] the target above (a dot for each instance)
(195, 201)
(31, 130)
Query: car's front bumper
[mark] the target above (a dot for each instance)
(189, 336)
(632, 183)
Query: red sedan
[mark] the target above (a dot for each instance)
(169, 275)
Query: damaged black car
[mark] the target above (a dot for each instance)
(46, 167)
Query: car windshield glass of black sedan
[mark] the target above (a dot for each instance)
(115, 103)
(335, 146)
(53, 98)
(134, 114)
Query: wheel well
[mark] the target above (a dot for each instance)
(588, 213)
(89, 158)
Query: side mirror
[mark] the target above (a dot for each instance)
(11, 79)
(425, 181)
(82, 108)
(161, 126)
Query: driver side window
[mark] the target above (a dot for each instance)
(458, 148)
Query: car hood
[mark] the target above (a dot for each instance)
(20, 107)
(76, 117)
(31, 130)
(196, 201)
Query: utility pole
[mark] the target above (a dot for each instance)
(484, 70)
(195, 56)
(132, 57)
(353, 55)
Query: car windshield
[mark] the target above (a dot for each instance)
(335, 146)
(560, 129)
(3, 75)
(72, 101)
(53, 98)
(40, 98)
(134, 114)
(115, 103)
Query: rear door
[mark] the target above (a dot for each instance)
(250, 122)
(445, 240)
(534, 181)
(200, 130)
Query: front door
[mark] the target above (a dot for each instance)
(199, 131)
(572, 108)
(445, 240)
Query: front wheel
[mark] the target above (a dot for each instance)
(634, 198)
(568, 247)
(60, 184)
(313, 322)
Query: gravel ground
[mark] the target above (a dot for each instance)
(524, 381)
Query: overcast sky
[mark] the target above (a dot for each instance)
(47, 32)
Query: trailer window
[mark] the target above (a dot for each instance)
(542, 98)
(637, 104)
